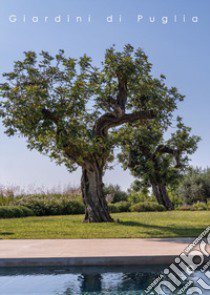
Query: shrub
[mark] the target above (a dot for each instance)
(175, 199)
(147, 206)
(15, 211)
(114, 194)
(113, 208)
(7, 195)
(139, 197)
(199, 206)
(195, 186)
(43, 205)
(73, 207)
(119, 207)
(6, 200)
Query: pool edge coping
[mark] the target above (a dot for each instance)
(87, 261)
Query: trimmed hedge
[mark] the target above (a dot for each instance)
(118, 207)
(199, 206)
(15, 211)
(147, 207)
(42, 206)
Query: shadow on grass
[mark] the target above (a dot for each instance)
(6, 233)
(164, 230)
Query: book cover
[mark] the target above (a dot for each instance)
(104, 175)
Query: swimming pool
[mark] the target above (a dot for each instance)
(79, 280)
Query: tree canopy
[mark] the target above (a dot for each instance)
(61, 105)
(158, 156)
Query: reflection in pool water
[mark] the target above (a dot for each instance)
(77, 280)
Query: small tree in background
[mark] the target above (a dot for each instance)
(194, 186)
(157, 162)
(68, 109)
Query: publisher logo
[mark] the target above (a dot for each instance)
(176, 278)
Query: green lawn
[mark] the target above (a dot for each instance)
(129, 225)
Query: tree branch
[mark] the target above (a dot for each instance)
(164, 149)
(69, 148)
(113, 106)
(109, 120)
(122, 94)
(50, 116)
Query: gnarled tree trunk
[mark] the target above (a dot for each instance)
(96, 209)
(161, 194)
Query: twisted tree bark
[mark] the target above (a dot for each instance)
(161, 194)
(96, 209)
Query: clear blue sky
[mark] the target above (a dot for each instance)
(179, 50)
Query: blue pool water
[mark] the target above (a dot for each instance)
(79, 281)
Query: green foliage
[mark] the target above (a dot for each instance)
(151, 157)
(15, 212)
(177, 200)
(7, 195)
(199, 206)
(114, 193)
(138, 187)
(184, 207)
(194, 186)
(136, 197)
(43, 205)
(58, 103)
(6, 200)
(118, 207)
(147, 206)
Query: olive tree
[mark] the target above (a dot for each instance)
(194, 186)
(69, 109)
(156, 161)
